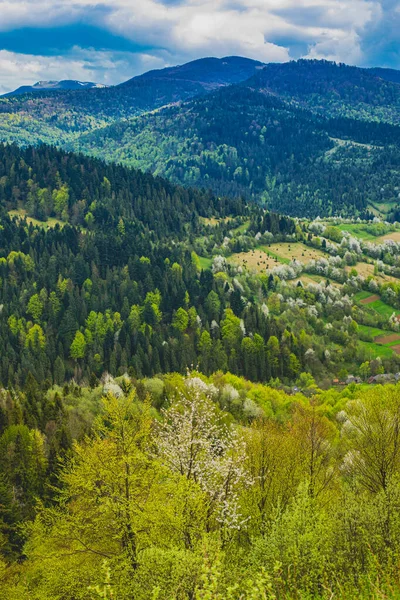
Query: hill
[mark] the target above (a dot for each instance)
(307, 138)
(246, 141)
(332, 89)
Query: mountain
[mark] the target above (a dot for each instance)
(52, 86)
(58, 118)
(247, 140)
(208, 72)
(304, 137)
(332, 89)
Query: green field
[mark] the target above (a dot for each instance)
(381, 308)
(357, 230)
(205, 263)
(361, 296)
(373, 331)
(378, 306)
(280, 259)
(242, 228)
(374, 350)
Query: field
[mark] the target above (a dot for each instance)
(50, 223)
(293, 251)
(307, 279)
(373, 301)
(362, 296)
(374, 332)
(393, 235)
(357, 230)
(254, 261)
(367, 269)
(387, 340)
(205, 263)
(212, 221)
(381, 308)
(382, 209)
(369, 299)
(373, 350)
(267, 257)
(384, 342)
(242, 228)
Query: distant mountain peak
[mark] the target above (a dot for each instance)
(208, 72)
(49, 86)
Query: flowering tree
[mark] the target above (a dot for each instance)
(193, 441)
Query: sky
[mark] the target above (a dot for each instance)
(110, 41)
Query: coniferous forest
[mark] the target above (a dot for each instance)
(200, 336)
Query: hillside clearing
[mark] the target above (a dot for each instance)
(293, 251)
(49, 224)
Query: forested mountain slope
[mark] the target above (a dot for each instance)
(46, 182)
(209, 72)
(305, 137)
(55, 117)
(332, 89)
(131, 250)
(245, 141)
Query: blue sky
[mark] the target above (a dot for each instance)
(111, 41)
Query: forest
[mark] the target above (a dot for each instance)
(200, 337)
(190, 487)
(240, 141)
(198, 406)
(307, 138)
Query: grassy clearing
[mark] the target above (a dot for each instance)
(373, 350)
(205, 263)
(393, 235)
(381, 337)
(367, 269)
(293, 251)
(373, 301)
(306, 279)
(374, 332)
(256, 260)
(357, 230)
(242, 228)
(49, 224)
(381, 308)
(381, 209)
(213, 221)
(362, 296)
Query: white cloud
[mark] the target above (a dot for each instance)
(343, 47)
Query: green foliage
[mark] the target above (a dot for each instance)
(78, 346)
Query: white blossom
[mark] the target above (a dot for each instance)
(193, 441)
(219, 264)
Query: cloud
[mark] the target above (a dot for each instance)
(127, 33)
(381, 44)
(81, 64)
